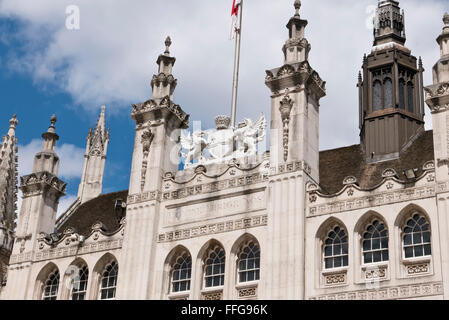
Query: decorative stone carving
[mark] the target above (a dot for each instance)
(147, 139)
(250, 292)
(285, 110)
(220, 142)
(218, 295)
(418, 269)
(335, 279)
(165, 103)
(389, 173)
(350, 180)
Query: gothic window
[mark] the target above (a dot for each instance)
(182, 273)
(411, 105)
(416, 237)
(249, 263)
(402, 94)
(375, 243)
(79, 284)
(377, 96)
(388, 93)
(51, 286)
(214, 272)
(336, 249)
(108, 283)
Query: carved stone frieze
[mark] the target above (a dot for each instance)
(373, 200)
(214, 228)
(249, 292)
(210, 296)
(399, 292)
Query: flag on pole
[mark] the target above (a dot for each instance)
(235, 21)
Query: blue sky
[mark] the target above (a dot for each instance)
(46, 69)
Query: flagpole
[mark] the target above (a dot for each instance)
(235, 83)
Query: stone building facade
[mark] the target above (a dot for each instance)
(367, 221)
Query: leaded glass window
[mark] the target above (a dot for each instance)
(79, 284)
(182, 273)
(51, 286)
(336, 249)
(377, 96)
(388, 93)
(411, 105)
(375, 243)
(402, 94)
(249, 263)
(416, 237)
(108, 283)
(215, 268)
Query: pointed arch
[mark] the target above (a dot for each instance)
(333, 239)
(246, 252)
(213, 258)
(372, 231)
(415, 230)
(104, 278)
(76, 277)
(178, 271)
(47, 283)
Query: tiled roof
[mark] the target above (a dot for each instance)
(100, 209)
(337, 164)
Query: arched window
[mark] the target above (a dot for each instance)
(411, 105)
(375, 243)
(182, 273)
(51, 286)
(215, 268)
(402, 94)
(336, 249)
(249, 263)
(377, 95)
(79, 284)
(108, 283)
(416, 237)
(388, 93)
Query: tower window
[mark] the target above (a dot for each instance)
(402, 94)
(377, 96)
(410, 100)
(388, 93)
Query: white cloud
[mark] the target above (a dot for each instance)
(110, 60)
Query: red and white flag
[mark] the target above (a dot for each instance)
(235, 21)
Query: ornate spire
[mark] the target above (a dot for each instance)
(94, 160)
(297, 6)
(296, 48)
(47, 160)
(389, 23)
(444, 37)
(164, 84)
(8, 180)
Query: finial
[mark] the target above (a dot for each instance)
(360, 77)
(167, 46)
(446, 19)
(13, 122)
(53, 120)
(297, 7)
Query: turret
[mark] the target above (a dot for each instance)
(391, 103)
